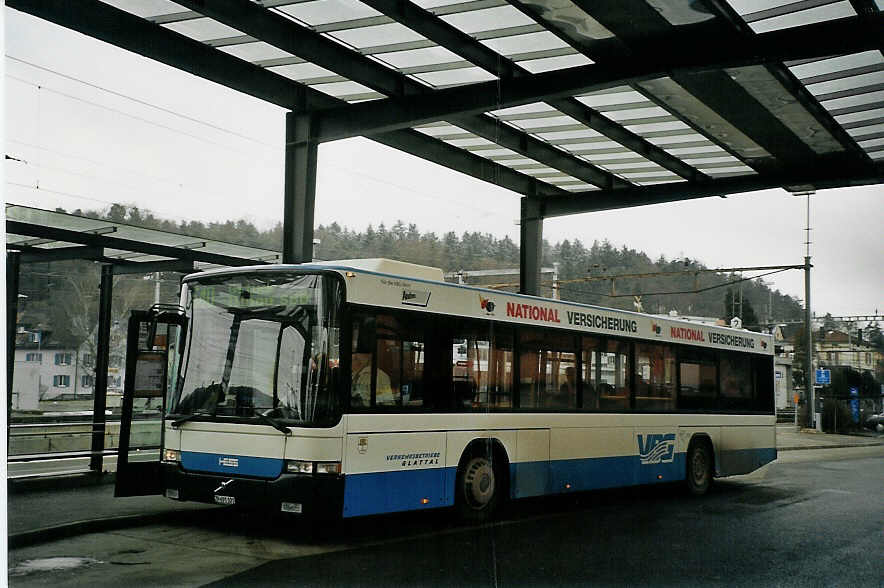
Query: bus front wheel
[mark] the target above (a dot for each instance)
(479, 486)
(699, 467)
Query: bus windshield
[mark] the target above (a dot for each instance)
(261, 345)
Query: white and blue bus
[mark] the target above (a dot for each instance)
(364, 387)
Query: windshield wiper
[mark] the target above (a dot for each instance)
(273, 423)
(179, 421)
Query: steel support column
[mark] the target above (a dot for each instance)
(300, 188)
(530, 245)
(102, 357)
(12, 272)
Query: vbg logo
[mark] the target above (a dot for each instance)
(657, 448)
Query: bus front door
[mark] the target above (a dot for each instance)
(154, 345)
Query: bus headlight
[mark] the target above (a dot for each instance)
(295, 466)
(328, 467)
(172, 455)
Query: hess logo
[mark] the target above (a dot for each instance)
(486, 304)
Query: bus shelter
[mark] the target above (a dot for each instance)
(35, 236)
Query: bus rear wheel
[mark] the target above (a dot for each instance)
(699, 467)
(478, 489)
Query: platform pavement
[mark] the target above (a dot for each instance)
(45, 514)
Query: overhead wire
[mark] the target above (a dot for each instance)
(139, 101)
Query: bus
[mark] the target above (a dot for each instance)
(363, 387)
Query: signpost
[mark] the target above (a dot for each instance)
(823, 377)
(854, 403)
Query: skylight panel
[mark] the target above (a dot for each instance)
(440, 128)
(419, 57)
(582, 187)
(634, 113)
(476, 21)
(575, 135)
(856, 117)
(858, 81)
(619, 96)
(203, 29)
(534, 107)
(343, 89)
(377, 35)
(327, 11)
(553, 121)
(531, 42)
(804, 17)
(455, 77)
(301, 71)
(553, 63)
(858, 132)
(257, 51)
(857, 100)
(146, 8)
(836, 64)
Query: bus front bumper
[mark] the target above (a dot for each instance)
(311, 496)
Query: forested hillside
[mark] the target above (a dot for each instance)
(53, 288)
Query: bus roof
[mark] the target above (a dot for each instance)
(417, 293)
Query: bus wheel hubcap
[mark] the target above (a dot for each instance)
(479, 482)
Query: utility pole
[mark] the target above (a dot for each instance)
(808, 359)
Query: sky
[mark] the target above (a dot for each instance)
(91, 124)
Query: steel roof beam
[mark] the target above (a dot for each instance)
(446, 35)
(592, 201)
(298, 40)
(129, 32)
(815, 40)
(35, 255)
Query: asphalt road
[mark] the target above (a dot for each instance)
(812, 518)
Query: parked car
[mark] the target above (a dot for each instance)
(875, 422)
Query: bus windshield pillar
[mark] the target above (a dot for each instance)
(300, 188)
(530, 245)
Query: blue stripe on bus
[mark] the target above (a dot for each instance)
(240, 465)
(386, 492)
(366, 494)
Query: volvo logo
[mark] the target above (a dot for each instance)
(223, 486)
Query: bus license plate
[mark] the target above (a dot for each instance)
(225, 499)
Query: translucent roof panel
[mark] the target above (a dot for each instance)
(320, 12)
(419, 57)
(348, 90)
(455, 77)
(552, 63)
(833, 65)
(376, 35)
(770, 15)
(476, 21)
(149, 9)
(532, 42)
(535, 108)
(255, 51)
(203, 29)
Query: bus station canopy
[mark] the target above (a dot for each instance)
(586, 104)
(44, 235)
